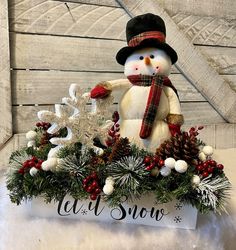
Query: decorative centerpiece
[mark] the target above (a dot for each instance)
(139, 164)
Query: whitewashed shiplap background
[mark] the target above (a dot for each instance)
(55, 43)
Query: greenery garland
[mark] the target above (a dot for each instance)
(133, 172)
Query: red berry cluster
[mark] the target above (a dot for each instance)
(43, 125)
(152, 162)
(33, 162)
(209, 167)
(193, 132)
(91, 185)
(114, 130)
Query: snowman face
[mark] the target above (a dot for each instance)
(148, 61)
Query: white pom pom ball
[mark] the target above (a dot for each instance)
(108, 189)
(181, 166)
(196, 180)
(33, 171)
(110, 180)
(30, 144)
(208, 150)
(165, 171)
(31, 135)
(49, 164)
(170, 163)
(202, 156)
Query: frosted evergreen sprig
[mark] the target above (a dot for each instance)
(128, 173)
(214, 192)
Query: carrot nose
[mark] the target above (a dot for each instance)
(147, 61)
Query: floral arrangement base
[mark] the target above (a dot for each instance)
(173, 214)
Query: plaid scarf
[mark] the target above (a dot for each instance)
(156, 83)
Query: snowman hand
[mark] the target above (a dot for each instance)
(174, 129)
(102, 90)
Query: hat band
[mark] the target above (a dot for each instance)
(136, 40)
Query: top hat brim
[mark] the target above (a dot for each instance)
(123, 53)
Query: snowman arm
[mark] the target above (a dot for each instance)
(104, 89)
(174, 119)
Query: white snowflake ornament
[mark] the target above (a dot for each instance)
(82, 126)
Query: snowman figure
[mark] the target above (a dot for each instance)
(149, 107)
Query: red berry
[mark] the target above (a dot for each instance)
(156, 159)
(161, 163)
(205, 165)
(117, 125)
(34, 158)
(94, 175)
(31, 163)
(97, 191)
(210, 170)
(199, 168)
(40, 161)
(25, 164)
(205, 174)
(147, 160)
(21, 171)
(220, 166)
(94, 184)
(93, 197)
(38, 124)
(152, 165)
(90, 189)
(38, 166)
(85, 181)
(85, 187)
(212, 163)
(148, 168)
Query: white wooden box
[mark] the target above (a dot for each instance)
(144, 211)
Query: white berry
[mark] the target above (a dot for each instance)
(31, 135)
(170, 163)
(110, 180)
(49, 164)
(165, 171)
(33, 171)
(208, 150)
(202, 156)
(30, 144)
(181, 166)
(108, 189)
(196, 180)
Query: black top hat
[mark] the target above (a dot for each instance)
(142, 31)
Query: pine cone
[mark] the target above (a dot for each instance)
(120, 149)
(180, 147)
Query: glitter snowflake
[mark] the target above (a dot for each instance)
(82, 125)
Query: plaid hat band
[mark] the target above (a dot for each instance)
(136, 40)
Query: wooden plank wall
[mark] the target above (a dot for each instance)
(5, 84)
(56, 43)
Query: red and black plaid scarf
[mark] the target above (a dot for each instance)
(156, 83)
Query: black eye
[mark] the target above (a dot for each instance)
(141, 57)
(152, 56)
